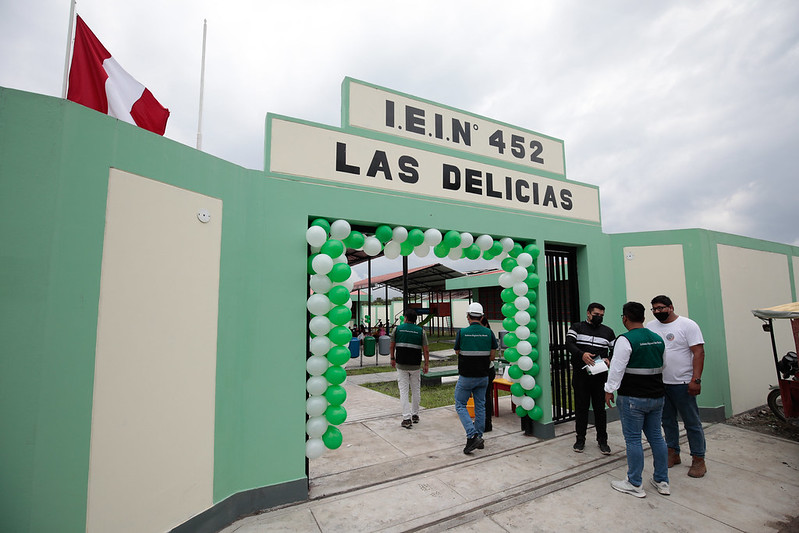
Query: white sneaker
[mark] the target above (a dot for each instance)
(663, 486)
(628, 488)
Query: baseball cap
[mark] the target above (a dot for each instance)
(475, 309)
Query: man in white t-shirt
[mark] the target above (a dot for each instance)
(683, 363)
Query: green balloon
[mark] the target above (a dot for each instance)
(531, 268)
(511, 355)
(339, 315)
(534, 370)
(536, 413)
(452, 239)
(516, 250)
(531, 309)
(509, 310)
(510, 339)
(532, 280)
(532, 324)
(340, 335)
(354, 240)
(310, 264)
(516, 389)
(339, 294)
(333, 248)
(335, 375)
(340, 272)
(532, 339)
(338, 355)
(384, 233)
(533, 250)
(509, 264)
(406, 248)
(336, 414)
(535, 392)
(515, 372)
(472, 252)
(332, 438)
(533, 354)
(521, 411)
(441, 250)
(336, 394)
(415, 237)
(322, 223)
(487, 255)
(532, 296)
(509, 323)
(496, 248)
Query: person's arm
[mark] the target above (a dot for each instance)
(694, 388)
(621, 356)
(393, 360)
(493, 355)
(425, 351)
(571, 346)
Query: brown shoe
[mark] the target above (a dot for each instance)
(698, 468)
(674, 457)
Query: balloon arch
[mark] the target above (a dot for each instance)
(330, 304)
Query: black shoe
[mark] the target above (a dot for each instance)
(407, 423)
(415, 419)
(488, 428)
(579, 446)
(604, 448)
(481, 444)
(472, 443)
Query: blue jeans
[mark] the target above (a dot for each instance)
(643, 414)
(475, 387)
(679, 401)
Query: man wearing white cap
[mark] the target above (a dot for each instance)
(476, 347)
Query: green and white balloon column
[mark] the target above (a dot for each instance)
(330, 307)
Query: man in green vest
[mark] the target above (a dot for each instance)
(476, 347)
(408, 343)
(636, 371)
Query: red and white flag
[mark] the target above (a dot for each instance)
(97, 81)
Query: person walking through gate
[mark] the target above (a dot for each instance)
(408, 344)
(636, 371)
(588, 342)
(682, 375)
(476, 347)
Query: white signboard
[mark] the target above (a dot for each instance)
(383, 111)
(329, 154)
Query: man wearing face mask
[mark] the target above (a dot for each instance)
(683, 363)
(588, 342)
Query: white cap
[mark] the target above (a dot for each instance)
(475, 309)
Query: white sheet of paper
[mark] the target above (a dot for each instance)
(598, 368)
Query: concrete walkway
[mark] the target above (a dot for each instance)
(387, 478)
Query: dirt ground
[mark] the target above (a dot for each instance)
(762, 420)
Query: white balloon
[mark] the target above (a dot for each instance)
(501, 256)
(519, 273)
(522, 333)
(520, 288)
(315, 249)
(422, 250)
(316, 385)
(320, 283)
(524, 348)
(316, 426)
(314, 448)
(522, 303)
(349, 283)
(455, 253)
(322, 264)
(517, 400)
(320, 346)
(527, 382)
(399, 234)
(507, 244)
(392, 250)
(320, 325)
(316, 406)
(432, 237)
(525, 363)
(348, 304)
(341, 259)
(466, 240)
(527, 402)
(316, 364)
(316, 236)
(340, 229)
(319, 304)
(372, 246)
(522, 318)
(484, 242)
(524, 259)
(506, 280)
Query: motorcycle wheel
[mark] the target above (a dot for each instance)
(775, 404)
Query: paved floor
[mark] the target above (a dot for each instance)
(391, 479)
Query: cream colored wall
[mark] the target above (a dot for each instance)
(751, 279)
(653, 270)
(152, 437)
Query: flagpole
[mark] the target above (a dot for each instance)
(69, 48)
(202, 88)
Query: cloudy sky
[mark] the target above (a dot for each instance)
(684, 113)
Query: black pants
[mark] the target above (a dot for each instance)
(490, 396)
(590, 390)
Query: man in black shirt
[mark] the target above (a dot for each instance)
(589, 342)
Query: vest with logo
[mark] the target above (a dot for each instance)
(475, 344)
(408, 344)
(643, 377)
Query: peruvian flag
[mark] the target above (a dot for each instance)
(97, 81)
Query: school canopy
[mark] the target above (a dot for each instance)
(781, 311)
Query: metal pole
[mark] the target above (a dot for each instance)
(404, 282)
(69, 48)
(202, 91)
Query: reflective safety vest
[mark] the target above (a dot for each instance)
(643, 377)
(408, 341)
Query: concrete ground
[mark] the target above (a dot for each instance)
(387, 478)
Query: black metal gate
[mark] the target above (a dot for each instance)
(563, 307)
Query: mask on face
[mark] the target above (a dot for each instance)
(662, 316)
(596, 320)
